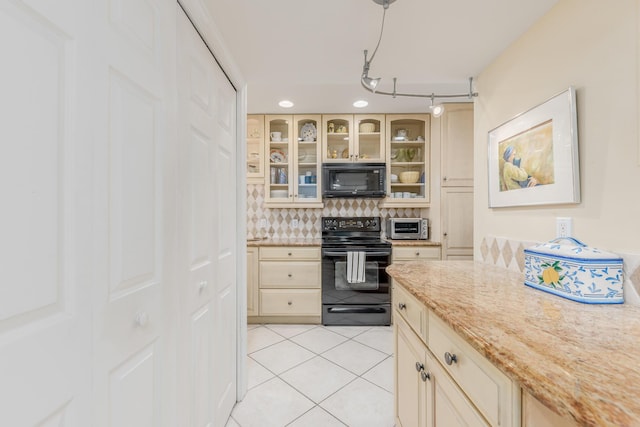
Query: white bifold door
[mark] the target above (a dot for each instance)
(133, 360)
(118, 222)
(45, 226)
(208, 218)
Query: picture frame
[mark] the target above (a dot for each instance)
(533, 157)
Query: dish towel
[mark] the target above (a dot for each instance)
(355, 267)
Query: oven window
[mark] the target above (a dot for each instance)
(371, 282)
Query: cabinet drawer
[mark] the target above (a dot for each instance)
(411, 310)
(415, 253)
(486, 386)
(290, 252)
(290, 302)
(294, 274)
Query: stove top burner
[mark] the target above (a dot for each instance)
(352, 231)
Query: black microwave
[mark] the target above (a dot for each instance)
(353, 180)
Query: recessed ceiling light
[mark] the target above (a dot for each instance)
(285, 104)
(360, 103)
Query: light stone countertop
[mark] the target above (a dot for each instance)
(284, 242)
(580, 360)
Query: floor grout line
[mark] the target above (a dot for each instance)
(320, 355)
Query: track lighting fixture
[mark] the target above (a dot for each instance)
(371, 84)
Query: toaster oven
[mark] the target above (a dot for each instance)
(408, 228)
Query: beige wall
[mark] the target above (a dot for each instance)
(591, 45)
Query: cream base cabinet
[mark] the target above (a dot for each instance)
(439, 379)
(535, 414)
(289, 284)
(412, 391)
(457, 223)
(252, 282)
(415, 253)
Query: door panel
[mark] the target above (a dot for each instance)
(131, 390)
(207, 137)
(131, 320)
(134, 213)
(45, 221)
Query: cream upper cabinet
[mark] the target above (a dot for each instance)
(293, 161)
(408, 160)
(353, 138)
(457, 145)
(255, 149)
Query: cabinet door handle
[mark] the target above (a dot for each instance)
(402, 306)
(450, 358)
(419, 366)
(425, 376)
(290, 275)
(445, 234)
(444, 178)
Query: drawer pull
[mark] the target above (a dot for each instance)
(417, 253)
(419, 366)
(290, 275)
(450, 358)
(425, 376)
(402, 306)
(289, 303)
(289, 254)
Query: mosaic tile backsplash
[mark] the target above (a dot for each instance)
(279, 220)
(509, 254)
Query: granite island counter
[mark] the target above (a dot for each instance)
(582, 361)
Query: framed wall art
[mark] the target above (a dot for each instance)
(533, 158)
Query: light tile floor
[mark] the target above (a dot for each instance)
(317, 376)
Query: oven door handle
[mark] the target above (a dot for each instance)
(357, 310)
(327, 253)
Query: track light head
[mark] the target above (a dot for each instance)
(370, 83)
(436, 109)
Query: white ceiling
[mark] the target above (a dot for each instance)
(311, 52)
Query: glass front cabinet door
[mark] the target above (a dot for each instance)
(353, 138)
(255, 149)
(369, 144)
(292, 161)
(407, 140)
(307, 187)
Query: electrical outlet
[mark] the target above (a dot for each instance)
(263, 223)
(294, 223)
(564, 227)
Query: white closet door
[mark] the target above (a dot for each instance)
(206, 134)
(131, 366)
(45, 220)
